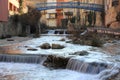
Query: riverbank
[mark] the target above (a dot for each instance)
(87, 54)
(13, 40)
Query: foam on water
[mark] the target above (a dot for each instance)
(51, 31)
(38, 72)
(69, 48)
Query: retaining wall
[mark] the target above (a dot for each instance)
(8, 28)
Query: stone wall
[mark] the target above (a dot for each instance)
(7, 28)
(110, 15)
(110, 18)
(98, 19)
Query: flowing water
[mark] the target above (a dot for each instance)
(104, 70)
(23, 58)
(20, 71)
(86, 67)
(51, 31)
(94, 66)
(57, 32)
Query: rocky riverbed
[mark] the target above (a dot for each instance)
(80, 52)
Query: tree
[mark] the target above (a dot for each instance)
(90, 18)
(94, 18)
(31, 18)
(72, 20)
(34, 16)
(21, 6)
(103, 17)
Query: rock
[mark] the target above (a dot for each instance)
(56, 62)
(68, 41)
(45, 46)
(10, 39)
(110, 16)
(32, 49)
(81, 53)
(8, 36)
(57, 46)
(63, 39)
(115, 25)
(70, 27)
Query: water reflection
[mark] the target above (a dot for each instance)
(11, 49)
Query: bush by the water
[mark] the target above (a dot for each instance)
(96, 42)
(5, 36)
(90, 39)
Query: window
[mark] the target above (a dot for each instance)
(52, 15)
(10, 6)
(14, 8)
(115, 2)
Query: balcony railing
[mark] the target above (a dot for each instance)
(58, 5)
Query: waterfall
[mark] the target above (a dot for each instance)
(23, 58)
(87, 67)
(57, 32)
(51, 31)
(109, 73)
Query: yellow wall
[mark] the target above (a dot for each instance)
(15, 2)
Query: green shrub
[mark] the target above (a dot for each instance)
(72, 20)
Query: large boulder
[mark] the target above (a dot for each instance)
(81, 53)
(110, 16)
(56, 62)
(115, 25)
(32, 49)
(45, 46)
(57, 46)
(63, 39)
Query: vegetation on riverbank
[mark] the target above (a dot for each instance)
(93, 39)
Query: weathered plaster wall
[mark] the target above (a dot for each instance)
(7, 28)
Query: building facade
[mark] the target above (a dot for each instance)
(24, 6)
(55, 17)
(61, 13)
(51, 14)
(3, 10)
(84, 13)
(13, 6)
(8, 7)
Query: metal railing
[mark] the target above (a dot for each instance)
(56, 5)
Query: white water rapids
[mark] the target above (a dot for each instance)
(20, 71)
